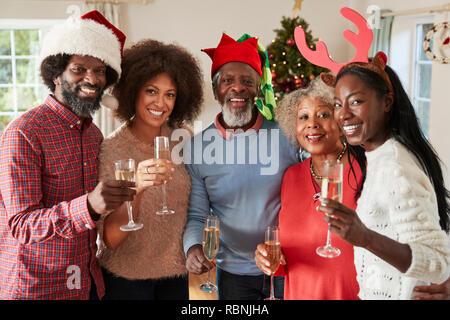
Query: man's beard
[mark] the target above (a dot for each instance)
(82, 107)
(239, 118)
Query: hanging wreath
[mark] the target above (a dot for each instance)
(443, 43)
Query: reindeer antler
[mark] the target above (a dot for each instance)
(361, 41)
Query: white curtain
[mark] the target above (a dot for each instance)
(382, 35)
(104, 118)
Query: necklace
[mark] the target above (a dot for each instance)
(338, 159)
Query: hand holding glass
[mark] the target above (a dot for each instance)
(162, 151)
(125, 170)
(210, 247)
(273, 249)
(331, 189)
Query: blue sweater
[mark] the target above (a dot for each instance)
(239, 180)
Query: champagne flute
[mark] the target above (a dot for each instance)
(210, 247)
(124, 170)
(332, 189)
(162, 151)
(273, 249)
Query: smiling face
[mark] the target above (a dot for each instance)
(317, 131)
(235, 90)
(155, 101)
(80, 86)
(361, 113)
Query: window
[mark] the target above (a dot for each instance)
(412, 65)
(422, 79)
(20, 84)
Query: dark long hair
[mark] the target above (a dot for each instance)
(404, 127)
(358, 154)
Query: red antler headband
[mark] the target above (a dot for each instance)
(361, 41)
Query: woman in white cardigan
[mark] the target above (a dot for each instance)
(400, 226)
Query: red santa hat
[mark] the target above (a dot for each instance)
(230, 50)
(90, 35)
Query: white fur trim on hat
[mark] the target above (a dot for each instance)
(83, 37)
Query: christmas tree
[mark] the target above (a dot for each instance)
(290, 70)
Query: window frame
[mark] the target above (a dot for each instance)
(43, 26)
(404, 52)
(416, 97)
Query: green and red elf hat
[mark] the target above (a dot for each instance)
(246, 49)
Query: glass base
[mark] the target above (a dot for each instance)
(164, 211)
(208, 287)
(328, 252)
(131, 227)
(271, 298)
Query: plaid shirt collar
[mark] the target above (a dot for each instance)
(67, 116)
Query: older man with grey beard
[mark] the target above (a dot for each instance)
(243, 157)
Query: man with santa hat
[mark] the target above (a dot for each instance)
(49, 196)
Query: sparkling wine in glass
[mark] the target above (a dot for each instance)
(332, 189)
(162, 151)
(210, 247)
(125, 170)
(273, 249)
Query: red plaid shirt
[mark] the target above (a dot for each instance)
(48, 164)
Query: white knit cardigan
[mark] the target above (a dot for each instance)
(398, 201)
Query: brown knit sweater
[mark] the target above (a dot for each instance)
(156, 250)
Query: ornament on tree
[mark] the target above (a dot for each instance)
(299, 83)
(290, 42)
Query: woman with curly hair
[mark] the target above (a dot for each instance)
(306, 117)
(160, 90)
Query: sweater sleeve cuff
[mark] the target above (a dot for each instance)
(425, 269)
(80, 215)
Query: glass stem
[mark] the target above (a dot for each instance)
(329, 236)
(130, 213)
(164, 195)
(209, 279)
(272, 296)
